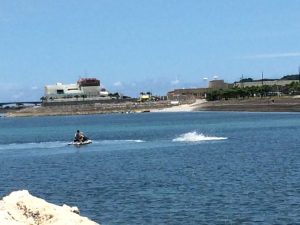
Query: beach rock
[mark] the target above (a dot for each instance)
(21, 208)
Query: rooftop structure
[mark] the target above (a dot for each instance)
(87, 82)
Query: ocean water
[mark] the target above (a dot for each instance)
(160, 168)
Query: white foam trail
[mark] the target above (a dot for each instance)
(117, 141)
(57, 144)
(121, 141)
(12, 146)
(195, 137)
(137, 141)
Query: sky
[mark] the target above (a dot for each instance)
(144, 45)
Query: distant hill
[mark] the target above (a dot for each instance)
(290, 77)
(251, 80)
(286, 77)
(246, 80)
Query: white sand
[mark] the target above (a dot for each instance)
(182, 108)
(21, 208)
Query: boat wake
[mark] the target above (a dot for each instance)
(187, 137)
(195, 137)
(117, 141)
(59, 144)
(33, 145)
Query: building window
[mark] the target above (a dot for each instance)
(59, 92)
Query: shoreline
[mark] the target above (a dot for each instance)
(242, 105)
(93, 108)
(253, 105)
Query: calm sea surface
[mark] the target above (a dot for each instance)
(160, 168)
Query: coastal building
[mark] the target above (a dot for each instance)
(187, 93)
(85, 87)
(196, 93)
(60, 90)
(89, 86)
(217, 84)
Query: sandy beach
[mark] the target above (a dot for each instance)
(182, 108)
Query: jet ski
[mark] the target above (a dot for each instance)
(78, 143)
(80, 139)
(83, 141)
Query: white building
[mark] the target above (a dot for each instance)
(85, 87)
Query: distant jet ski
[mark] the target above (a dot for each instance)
(80, 139)
(78, 143)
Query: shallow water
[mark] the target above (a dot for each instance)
(160, 168)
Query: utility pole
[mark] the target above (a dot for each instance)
(262, 78)
(242, 80)
(299, 73)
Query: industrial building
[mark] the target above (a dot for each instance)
(196, 93)
(218, 84)
(85, 87)
(186, 94)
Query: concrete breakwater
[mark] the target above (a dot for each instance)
(92, 108)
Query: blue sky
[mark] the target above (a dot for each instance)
(144, 45)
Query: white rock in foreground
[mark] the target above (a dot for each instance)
(21, 208)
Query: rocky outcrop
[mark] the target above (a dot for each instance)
(21, 208)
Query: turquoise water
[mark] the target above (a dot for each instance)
(160, 168)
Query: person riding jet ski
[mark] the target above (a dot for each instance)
(80, 137)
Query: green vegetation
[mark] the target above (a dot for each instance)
(290, 77)
(246, 80)
(257, 91)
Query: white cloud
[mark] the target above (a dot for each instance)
(18, 95)
(9, 86)
(17, 92)
(174, 82)
(275, 55)
(157, 86)
(118, 84)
